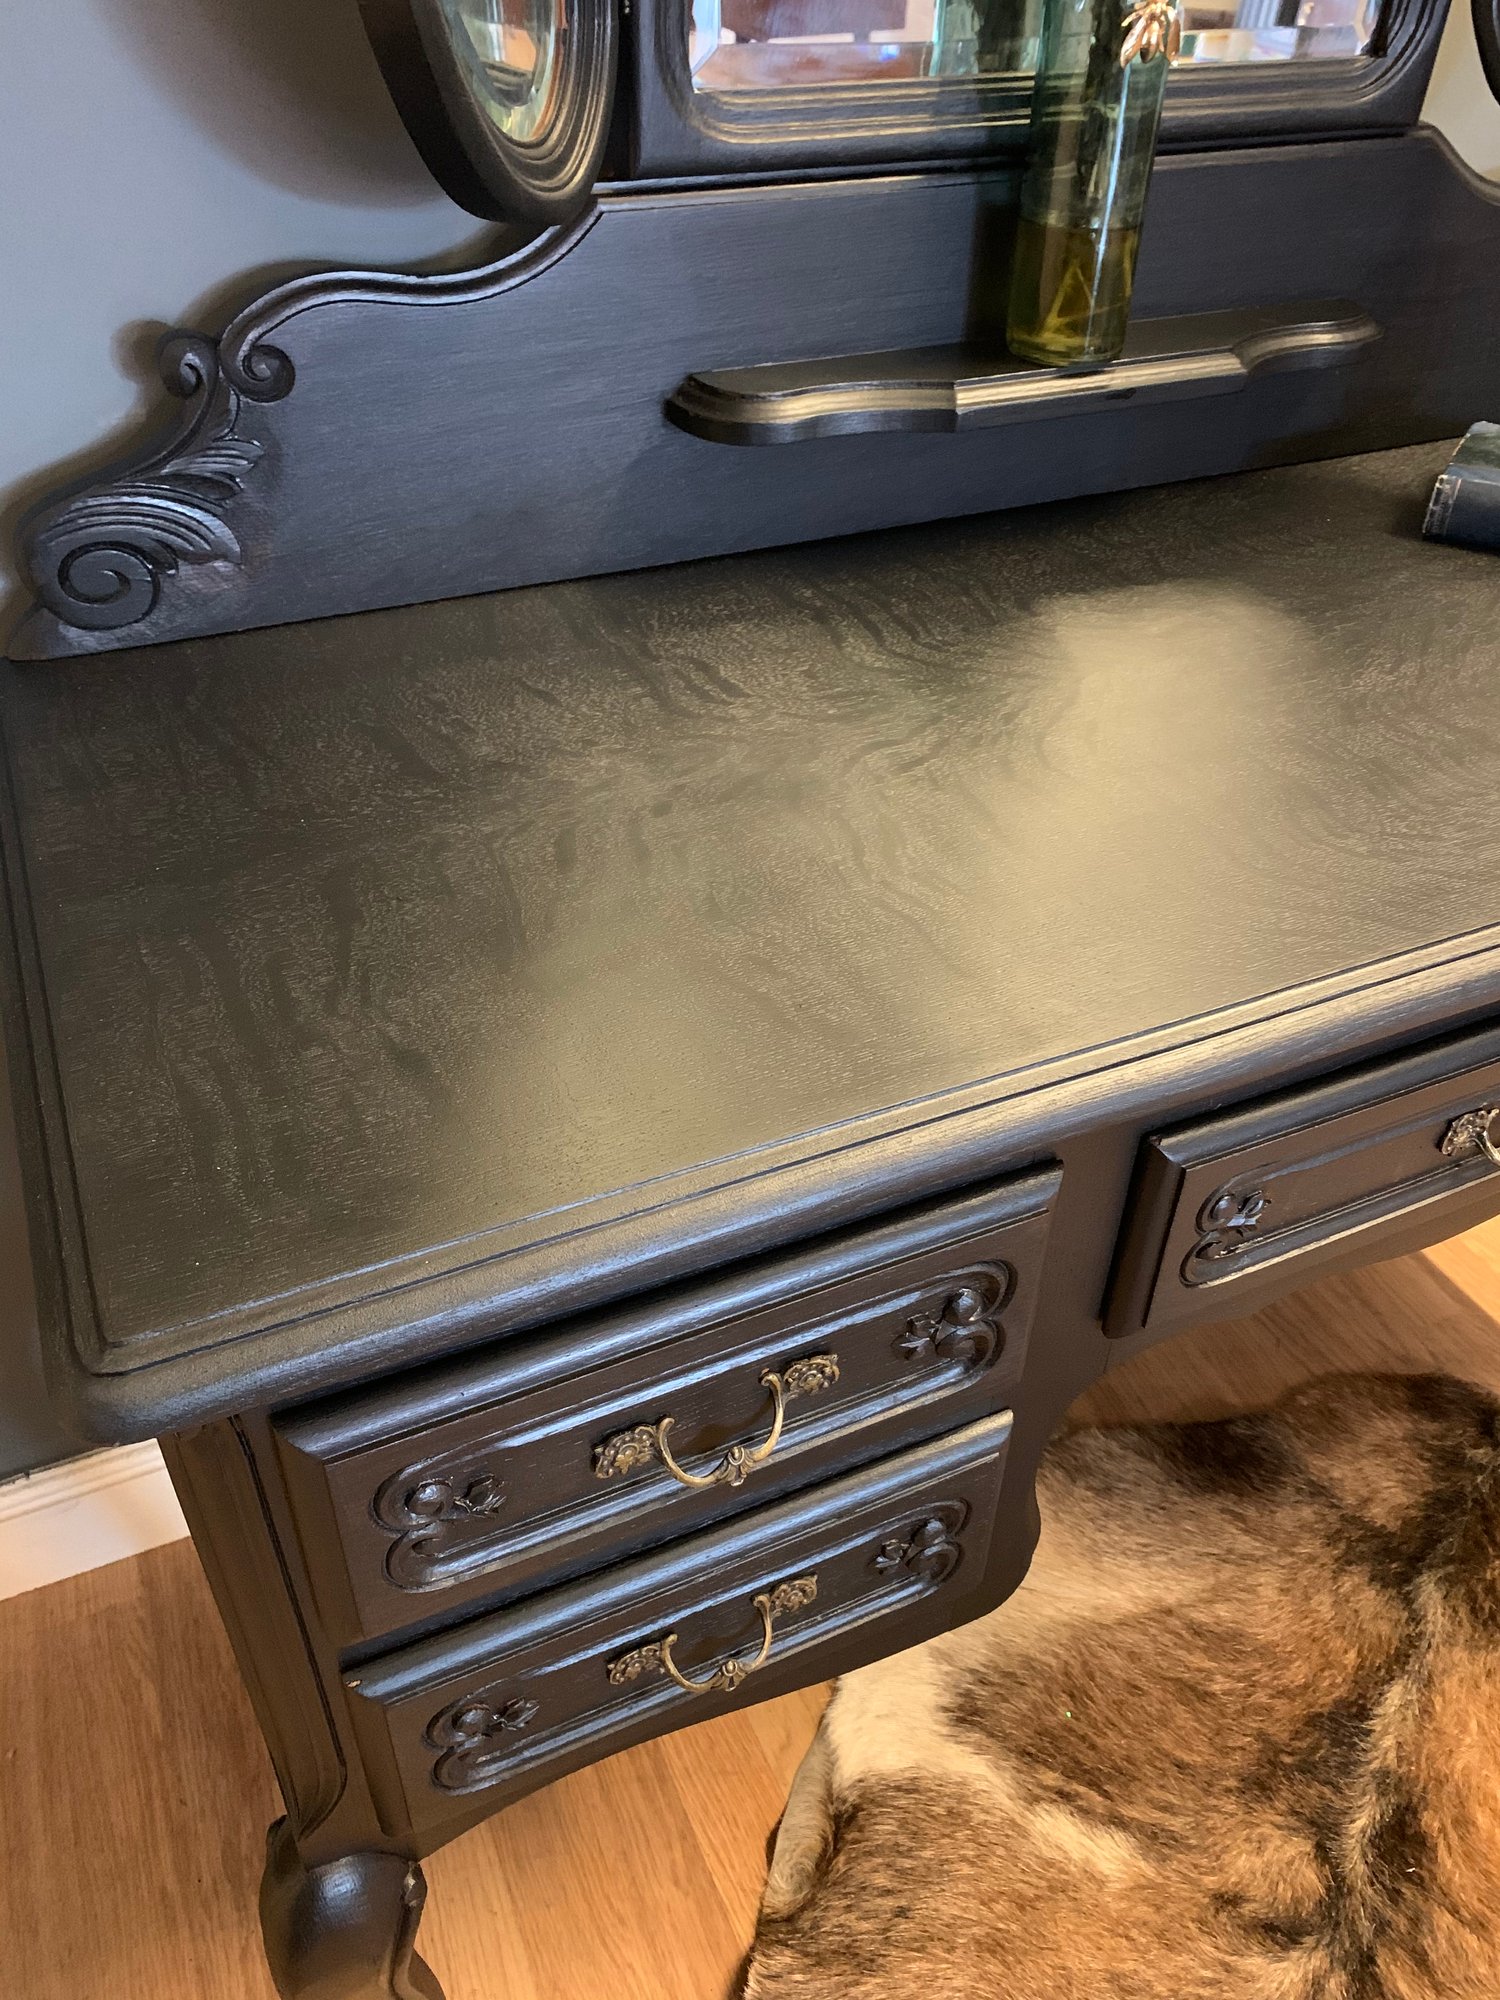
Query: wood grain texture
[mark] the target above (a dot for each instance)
(413, 437)
(637, 1877)
(511, 1485)
(958, 389)
(483, 1713)
(430, 943)
(1248, 1203)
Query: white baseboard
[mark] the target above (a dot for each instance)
(85, 1513)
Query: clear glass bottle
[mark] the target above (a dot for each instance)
(1094, 118)
(984, 37)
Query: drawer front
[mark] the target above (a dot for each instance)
(761, 1604)
(537, 1459)
(1379, 1160)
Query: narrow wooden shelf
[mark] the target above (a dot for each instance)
(971, 387)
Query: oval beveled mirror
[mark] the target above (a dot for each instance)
(508, 100)
(1487, 33)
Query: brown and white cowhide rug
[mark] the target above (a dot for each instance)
(1236, 1738)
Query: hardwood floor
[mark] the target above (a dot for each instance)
(134, 1790)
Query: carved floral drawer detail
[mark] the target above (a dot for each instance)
(694, 1625)
(539, 1457)
(1253, 1199)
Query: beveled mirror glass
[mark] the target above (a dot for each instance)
(509, 100)
(749, 45)
(514, 50)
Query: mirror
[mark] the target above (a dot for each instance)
(508, 100)
(1487, 33)
(747, 45)
(514, 48)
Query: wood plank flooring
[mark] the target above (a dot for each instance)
(134, 1789)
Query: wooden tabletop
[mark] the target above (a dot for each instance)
(413, 966)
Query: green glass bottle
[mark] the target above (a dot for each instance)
(1094, 117)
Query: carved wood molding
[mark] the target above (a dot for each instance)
(1229, 1222)
(100, 557)
(420, 470)
(967, 388)
(960, 1323)
(435, 1509)
(473, 1737)
(931, 1549)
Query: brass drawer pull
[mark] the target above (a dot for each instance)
(730, 1674)
(627, 1450)
(1474, 1132)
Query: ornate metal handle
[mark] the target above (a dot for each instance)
(627, 1450)
(1474, 1132)
(729, 1674)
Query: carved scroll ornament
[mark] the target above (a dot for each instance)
(1230, 1221)
(930, 1549)
(100, 557)
(960, 1323)
(438, 1511)
(472, 1736)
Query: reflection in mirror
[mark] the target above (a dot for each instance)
(513, 49)
(768, 44)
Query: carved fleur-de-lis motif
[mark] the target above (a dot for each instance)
(442, 1500)
(1149, 30)
(930, 1548)
(1230, 1220)
(471, 1736)
(947, 1333)
(439, 1513)
(957, 1326)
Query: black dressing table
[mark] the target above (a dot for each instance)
(863, 965)
(604, 1111)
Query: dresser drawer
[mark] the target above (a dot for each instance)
(1374, 1162)
(766, 1601)
(538, 1458)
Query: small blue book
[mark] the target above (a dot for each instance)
(1465, 503)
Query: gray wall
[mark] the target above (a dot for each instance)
(161, 160)
(1459, 102)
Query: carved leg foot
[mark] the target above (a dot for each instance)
(345, 1930)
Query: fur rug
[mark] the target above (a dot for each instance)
(1236, 1738)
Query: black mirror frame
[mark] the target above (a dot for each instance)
(1487, 34)
(669, 129)
(498, 178)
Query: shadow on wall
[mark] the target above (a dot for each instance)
(179, 155)
(1459, 101)
(290, 88)
(258, 140)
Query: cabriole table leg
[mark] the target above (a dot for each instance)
(345, 1929)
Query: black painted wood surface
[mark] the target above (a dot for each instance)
(960, 389)
(1487, 32)
(1236, 1208)
(494, 1708)
(359, 439)
(525, 1462)
(424, 974)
